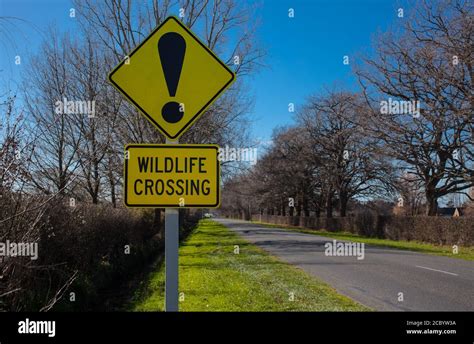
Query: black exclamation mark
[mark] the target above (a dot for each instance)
(171, 48)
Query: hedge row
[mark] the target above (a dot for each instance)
(99, 246)
(430, 229)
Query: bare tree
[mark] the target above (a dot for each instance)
(97, 129)
(225, 26)
(411, 198)
(348, 159)
(49, 82)
(11, 132)
(429, 66)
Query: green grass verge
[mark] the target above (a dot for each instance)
(214, 278)
(466, 253)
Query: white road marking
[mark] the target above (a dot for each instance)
(444, 272)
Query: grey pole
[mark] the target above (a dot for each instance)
(171, 256)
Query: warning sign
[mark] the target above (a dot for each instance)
(172, 176)
(172, 77)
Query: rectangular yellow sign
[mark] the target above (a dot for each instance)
(172, 176)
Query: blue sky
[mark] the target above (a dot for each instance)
(304, 53)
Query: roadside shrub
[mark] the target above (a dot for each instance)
(399, 228)
(430, 229)
(85, 250)
(365, 223)
(102, 244)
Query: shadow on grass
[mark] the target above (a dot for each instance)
(143, 290)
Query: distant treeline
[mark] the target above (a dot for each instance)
(405, 139)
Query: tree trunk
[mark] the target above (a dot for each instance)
(342, 205)
(329, 205)
(317, 211)
(305, 207)
(431, 205)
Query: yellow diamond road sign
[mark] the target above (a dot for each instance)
(171, 176)
(172, 77)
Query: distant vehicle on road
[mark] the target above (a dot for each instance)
(208, 215)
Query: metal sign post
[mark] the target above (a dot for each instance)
(171, 259)
(160, 76)
(171, 256)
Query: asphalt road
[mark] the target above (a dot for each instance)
(428, 283)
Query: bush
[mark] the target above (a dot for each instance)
(430, 229)
(94, 241)
(365, 223)
(85, 249)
